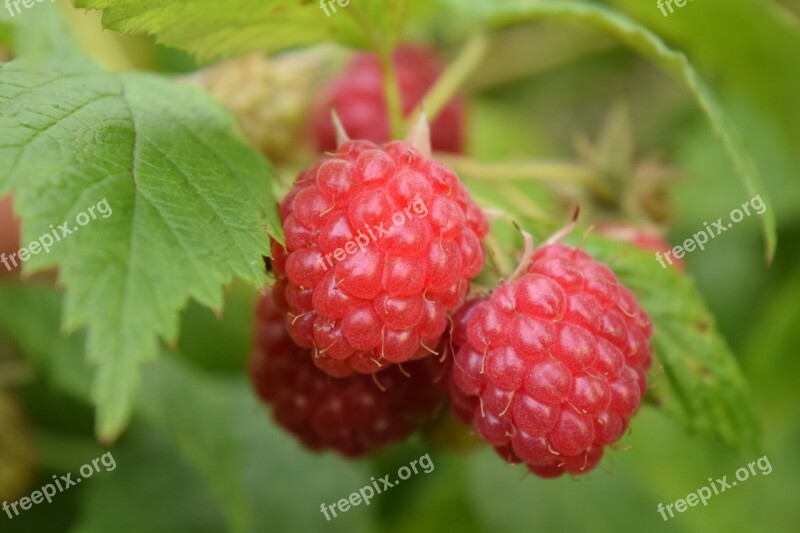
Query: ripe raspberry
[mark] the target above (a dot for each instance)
(350, 415)
(646, 239)
(358, 97)
(555, 363)
(380, 244)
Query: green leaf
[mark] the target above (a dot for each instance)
(186, 204)
(261, 477)
(232, 27)
(151, 472)
(500, 13)
(695, 376)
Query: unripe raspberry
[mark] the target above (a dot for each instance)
(358, 96)
(269, 95)
(380, 244)
(354, 415)
(555, 363)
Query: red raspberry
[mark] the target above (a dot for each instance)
(555, 363)
(350, 415)
(646, 239)
(380, 244)
(359, 99)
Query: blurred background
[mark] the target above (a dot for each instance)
(202, 454)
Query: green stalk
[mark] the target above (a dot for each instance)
(393, 103)
(453, 78)
(391, 87)
(537, 170)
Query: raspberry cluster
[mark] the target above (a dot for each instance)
(554, 364)
(359, 98)
(380, 244)
(353, 415)
(368, 329)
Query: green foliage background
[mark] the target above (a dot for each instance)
(150, 359)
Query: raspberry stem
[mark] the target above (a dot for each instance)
(392, 89)
(384, 51)
(531, 170)
(453, 77)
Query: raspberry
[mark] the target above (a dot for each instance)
(358, 97)
(554, 364)
(269, 95)
(350, 415)
(646, 239)
(380, 245)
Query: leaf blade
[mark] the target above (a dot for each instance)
(189, 202)
(502, 14)
(703, 385)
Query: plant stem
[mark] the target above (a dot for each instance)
(384, 52)
(453, 77)
(532, 170)
(393, 103)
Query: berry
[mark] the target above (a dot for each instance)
(554, 364)
(380, 244)
(351, 415)
(270, 97)
(359, 99)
